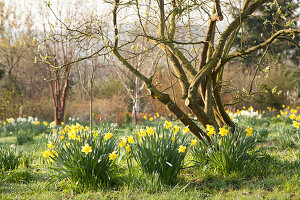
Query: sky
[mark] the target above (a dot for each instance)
(38, 8)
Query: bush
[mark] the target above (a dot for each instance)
(83, 157)
(10, 158)
(158, 152)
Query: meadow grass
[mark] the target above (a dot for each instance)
(275, 176)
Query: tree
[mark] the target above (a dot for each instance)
(200, 76)
(197, 62)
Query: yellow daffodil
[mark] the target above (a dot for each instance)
(72, 135)
(151, 119)
(145, 117)
(128, 148)
(181, 149)
(193, 142)
(175, 129)
(296, 124)
(278, 116)
(113, 156)
(123, 142)
(157, 114)
(150, 130)
(62, 123)
(168, 125)
(292, 116)
(36, 122)
(130, 139)
(86, 148)
(186, 130)
(50, 145)
(142, 133)
(210, 130)
(172, 138)
(249, 131)
(223, 131)
(95, 134)
(108, 136)
(283, 106)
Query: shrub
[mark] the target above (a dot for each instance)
(158, 152)
(10, 158)
(83, 157)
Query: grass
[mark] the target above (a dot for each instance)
(276, 177)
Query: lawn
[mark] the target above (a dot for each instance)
(271, 173)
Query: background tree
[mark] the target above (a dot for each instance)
(200, 76)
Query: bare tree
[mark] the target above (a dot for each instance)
(200, 75)
(197, 57)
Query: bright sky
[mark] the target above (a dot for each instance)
(38, 8)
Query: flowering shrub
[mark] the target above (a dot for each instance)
(158, 150)
(82, 156)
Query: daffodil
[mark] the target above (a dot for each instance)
(86, 148)
(296, 124)
(95, 134)
(128, 148)
(168, 125)
(36, 122)
(150, 130)
(193, 142)
(249, 131)
(50, 145)
(130, 139)
(142, 133)
(123, 142)
(72, 135)
(157, 114)
(210, 130)
(181, 149)
(151, 119)
(223, 131)
(172, 138)
(113, 155)
(108, 136)
(145, 117)
(175, 129)
(292, 116)
(186, 130)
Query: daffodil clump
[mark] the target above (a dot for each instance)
(225, 150)
(158, 150)
(22, 126)
(83, 156)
